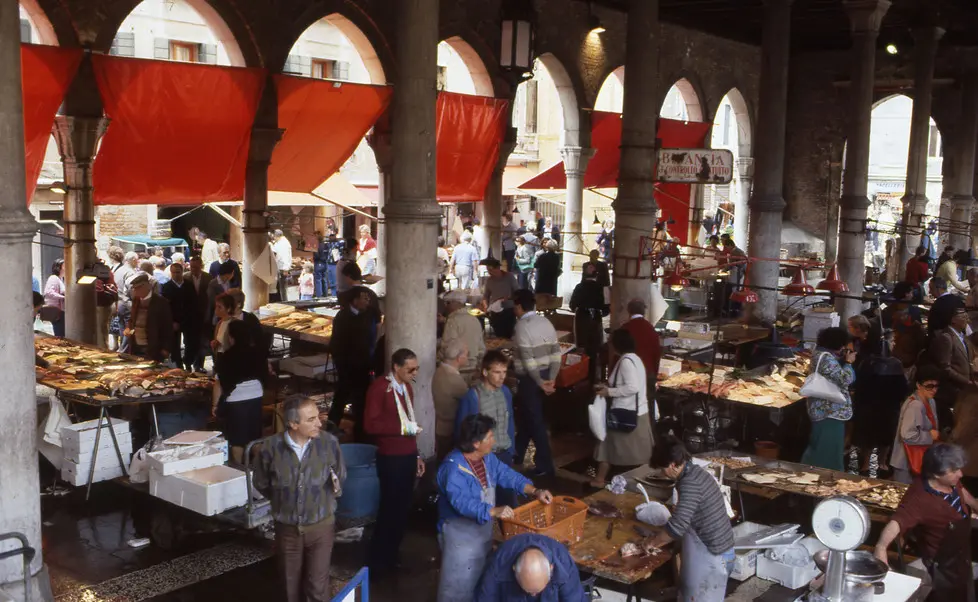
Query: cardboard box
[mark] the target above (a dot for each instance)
(311, 366)
(104, 451)
(174, 460)
(207, 491)
(79, 437)
(77, 474)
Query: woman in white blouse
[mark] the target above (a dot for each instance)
(626, 393)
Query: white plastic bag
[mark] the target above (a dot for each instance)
(819, 387)
(139, 467)
(596, 417)
(651, 513)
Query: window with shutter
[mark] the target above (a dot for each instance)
(161, 48)
(342, 70)
(184, 52)
(293, 65)
(124, 44)
(322, 69)
(25, 31)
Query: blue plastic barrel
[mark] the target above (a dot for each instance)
(361, 491)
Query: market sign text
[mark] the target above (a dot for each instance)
(695, 166)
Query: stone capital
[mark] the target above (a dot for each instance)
(412, 210)
(962, 200)
(866, 16)
(263, 141)
(767, 203)
(926, 37)
(16, 224)
(576, 159)
(78, 137)
(380, 141)
(745, 167)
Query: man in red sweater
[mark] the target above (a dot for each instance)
(389, 418)
(917, 272)
(647, 345)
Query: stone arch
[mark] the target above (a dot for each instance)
(570, 104)
(358, 28)
(222, 17)
(690, 96)
(39, 20)
(745, 131)
(475, 63)
(611, 92)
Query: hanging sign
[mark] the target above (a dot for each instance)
(695, 166)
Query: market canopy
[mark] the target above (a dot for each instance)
(468, 132)
(602, 169)
(46, 73)
(324, 122)
(179, 133)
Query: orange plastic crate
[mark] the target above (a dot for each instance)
(571, 375)
(562, 519)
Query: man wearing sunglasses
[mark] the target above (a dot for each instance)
(389, 417)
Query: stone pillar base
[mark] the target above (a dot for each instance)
(40, 588)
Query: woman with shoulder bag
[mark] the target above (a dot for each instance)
(918, 428)
(629, 427)
(831, 367)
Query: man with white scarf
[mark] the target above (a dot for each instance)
(389, 417)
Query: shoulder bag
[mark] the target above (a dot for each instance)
(621, 419)
(819, 387)
(915, 453)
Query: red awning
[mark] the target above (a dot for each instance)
(602, 169)
(324, 121)
(179, 132)
(46, 73)
(469, 130)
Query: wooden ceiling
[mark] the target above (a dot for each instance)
(819, 24)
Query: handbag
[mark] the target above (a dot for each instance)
(819, 387)
(915, 453)
(597, 417)
(623, 420)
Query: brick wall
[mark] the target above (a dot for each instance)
(121, 220)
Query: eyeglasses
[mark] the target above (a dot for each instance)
(930, 386)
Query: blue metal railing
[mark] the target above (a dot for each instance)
(359, 582)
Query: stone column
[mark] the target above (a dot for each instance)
(255, 212)
(235, 237)
(635, 208)
(492, 204)
(20, 496)
(745, 169)
(413, 214)
(767, 203)
(865, 17)
(915, 198)
(77, 139)
(697, 211)
(380, 142)
(572, 235)
(963, 185)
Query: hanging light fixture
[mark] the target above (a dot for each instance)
(799, 286)
(594, 24)
(596, 221)
(832, 282)
(58, 188)
(516, 43)
(745, 294)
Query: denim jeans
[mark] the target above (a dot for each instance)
(530, 425)
(320, 281)
(331, 279)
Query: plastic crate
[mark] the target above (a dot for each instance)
(562, 519)
(570, 375)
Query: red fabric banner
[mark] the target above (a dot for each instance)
(179, 132)
(469, 131)
(324, 122)
(602, 169)
(46, 73)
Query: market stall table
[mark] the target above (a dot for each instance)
(597, 553)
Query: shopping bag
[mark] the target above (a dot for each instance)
(139, 467)
(819, 387)
(596, 413)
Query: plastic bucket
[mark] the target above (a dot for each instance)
(767, 449)
(361, 490)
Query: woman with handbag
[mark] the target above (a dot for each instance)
(829, 404)
(629, 427)
(918, 427)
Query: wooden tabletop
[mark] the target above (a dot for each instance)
(595, 550)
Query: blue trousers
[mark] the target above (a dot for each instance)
(530, 425)
(331, 275)
(320, 281)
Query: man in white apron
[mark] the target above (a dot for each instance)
(467, 481)
(700, 521)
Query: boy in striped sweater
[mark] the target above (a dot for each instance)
(537, 361)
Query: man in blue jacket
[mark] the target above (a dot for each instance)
(531, 567)
(467, 481)
(490, 396)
